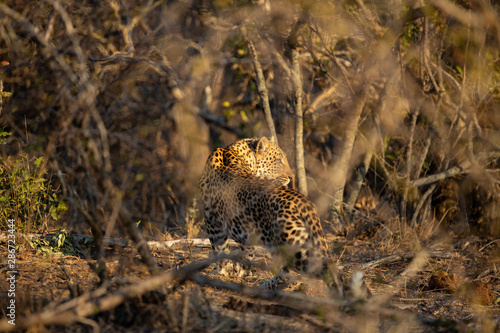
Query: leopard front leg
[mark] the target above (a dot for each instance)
(248, 255)
(236, 268)
(280, 280)
(219, 241)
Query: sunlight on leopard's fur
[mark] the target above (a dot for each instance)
(245, 199)
(262, 157)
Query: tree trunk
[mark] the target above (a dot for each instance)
(298, 108)
(341, 167)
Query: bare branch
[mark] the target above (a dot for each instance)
(321, 99)
(359, 178)
(421, 203)
(82, 57)
(101, 300)
(404, 256)
(139, 240)
(454, 171)
(419, 166)
(427, 56)
(261, 84)
(162, 67)
(371, 19)
(39, 38)
(409, 155)
(222, 123)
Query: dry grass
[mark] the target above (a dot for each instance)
(410, 292)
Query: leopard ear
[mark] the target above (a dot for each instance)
(272, 139)
(262, 145)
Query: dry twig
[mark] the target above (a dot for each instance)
(261, 84)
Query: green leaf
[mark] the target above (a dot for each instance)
(38, 161)
(228, 113)
(244, 116)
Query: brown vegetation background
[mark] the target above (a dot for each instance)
(126, 100)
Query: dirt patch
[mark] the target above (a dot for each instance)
(458, 289)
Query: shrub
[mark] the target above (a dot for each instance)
(26, 195)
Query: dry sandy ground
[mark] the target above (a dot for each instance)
(456, 288)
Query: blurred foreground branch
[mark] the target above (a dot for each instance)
(101, 299)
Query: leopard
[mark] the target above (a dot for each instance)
(246, 197)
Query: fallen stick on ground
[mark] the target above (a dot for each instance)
(109, 241)
(153, 245)
(404, 256)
